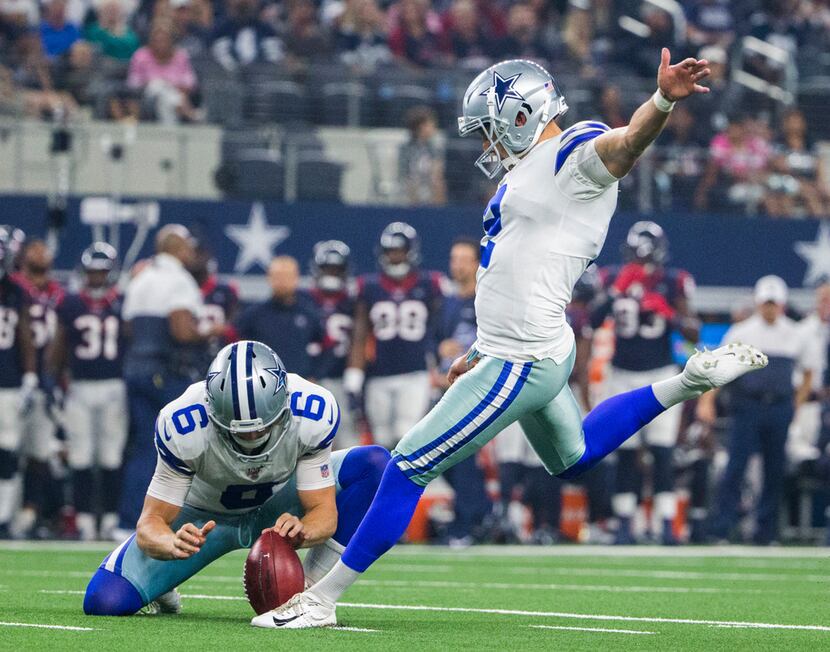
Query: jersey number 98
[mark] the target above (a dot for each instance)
(407, 320)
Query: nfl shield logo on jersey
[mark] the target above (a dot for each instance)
(253, 472)
(324, 470)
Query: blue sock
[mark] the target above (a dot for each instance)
(610, 423)
(109, 594)
(359, 477)
(386, 520)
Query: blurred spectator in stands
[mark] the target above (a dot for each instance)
(110, 32)
(643, 53)
(422, 159)
(304, 38)
(288, 322)
(711, 109)
(611, 110)
(681, 157)
(192, 25)
(76, 72)
(578, 34)
(524, 35)
(18, 16)
(710, 23)
(57, 34)
(465, 40)
(360, 35)
(798, 185)
(414, 38)
(779, 24)
(737, 171)
(243, 38)
(164, 74)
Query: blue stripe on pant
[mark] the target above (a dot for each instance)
(476, 408)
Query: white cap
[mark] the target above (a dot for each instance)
(771, 288)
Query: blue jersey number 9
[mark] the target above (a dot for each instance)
(245, 496)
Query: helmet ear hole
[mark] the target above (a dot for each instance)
(262, 382)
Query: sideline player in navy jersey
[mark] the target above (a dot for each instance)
(40, 444)
(18, 376)
(456, 333)
(334, 294)
(221, 300)
(648, 301)
(86, 357)
(396, 311)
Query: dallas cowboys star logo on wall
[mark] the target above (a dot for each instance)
(504, 89)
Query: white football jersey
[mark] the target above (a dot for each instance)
(195, 466)
(545, 224)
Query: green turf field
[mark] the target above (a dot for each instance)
(563, 598)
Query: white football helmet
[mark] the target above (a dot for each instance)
(494, 102)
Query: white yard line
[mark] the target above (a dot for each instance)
(537, 614)
(39, 626)
(752, 552)
(610, 588)
(338, 628)
(592, 629)
(668, 574)
(577, 616)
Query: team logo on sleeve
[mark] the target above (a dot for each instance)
(324, 470)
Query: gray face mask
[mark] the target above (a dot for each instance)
(330, 283)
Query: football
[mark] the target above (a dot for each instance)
(273, 572)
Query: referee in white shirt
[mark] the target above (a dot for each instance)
(162, 306)
(761, 409)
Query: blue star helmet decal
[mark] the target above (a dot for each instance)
(279, 374)
(504, 89)
(211, 375)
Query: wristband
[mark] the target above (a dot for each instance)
(661, 102)
(472, 355)
(353, 378)
(29, 380)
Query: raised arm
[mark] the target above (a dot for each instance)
(620, 148)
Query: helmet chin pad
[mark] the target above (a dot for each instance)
(330, 283)
(397, 270)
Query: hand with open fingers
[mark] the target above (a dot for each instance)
(189, 539)
(292, 528)
(681, 80)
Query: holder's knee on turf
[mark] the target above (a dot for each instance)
(108, 594)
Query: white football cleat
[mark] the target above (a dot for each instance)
(303, 611)
(706, 369)
(167, 603)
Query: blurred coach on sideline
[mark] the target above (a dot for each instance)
(762, 408)
(162, 306)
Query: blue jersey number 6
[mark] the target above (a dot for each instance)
(313, 407)
(185, 422)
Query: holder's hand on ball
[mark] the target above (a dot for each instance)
(291, 528)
